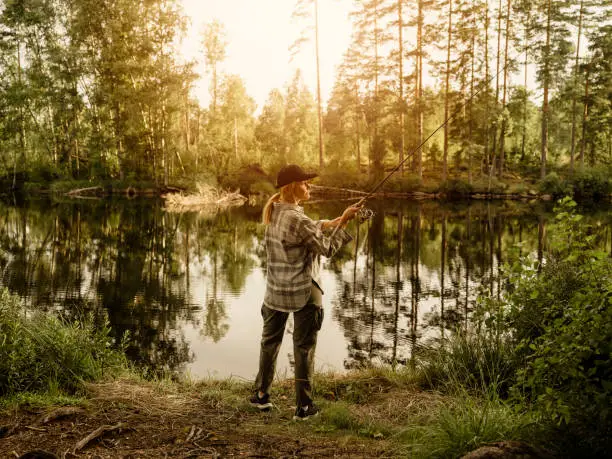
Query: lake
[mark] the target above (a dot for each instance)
(188, 288)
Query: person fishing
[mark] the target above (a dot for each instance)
(294, 245)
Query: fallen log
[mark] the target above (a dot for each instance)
(80, 191)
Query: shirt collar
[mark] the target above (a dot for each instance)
(286, 205)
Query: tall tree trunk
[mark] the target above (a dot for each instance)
(319, 110)
(376, 40)
(447, 90)
(165, 159)
(236, 139)
(357, 128)
(400, 22)
(419, 87)
(197, 139)
(574, 97)
(77, 149)
(53, 134)
(585, 116)
(502, 134)
(470, 116)
(524, 130)
(497, 71)
(186, 133)
(544, 142)
(22, 134)
(486, 82)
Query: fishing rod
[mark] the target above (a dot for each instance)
(367, 213)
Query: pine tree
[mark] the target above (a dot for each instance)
(310, 9)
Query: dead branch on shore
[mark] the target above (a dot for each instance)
(207, 199)
(82, 191)
(95, 434)
(60, 413)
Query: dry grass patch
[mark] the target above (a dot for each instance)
(208, 200)
(152, 398)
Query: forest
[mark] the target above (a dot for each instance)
(95, 90)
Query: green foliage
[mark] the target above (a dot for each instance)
(591, 184)
(463, 425)
(404, 183)
(560, 316)
(249, 179)
(43, 353)
(480, 361)
(344, 177)
(554, 185)
(338, 416)
(456, 188)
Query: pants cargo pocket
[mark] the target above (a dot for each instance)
(318, 318)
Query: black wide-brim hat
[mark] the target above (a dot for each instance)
(292, 173)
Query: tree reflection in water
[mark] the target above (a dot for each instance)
(411, 276)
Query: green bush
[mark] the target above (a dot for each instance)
(40, 352)
(560, 315)
(347, 177)
(554, 185)
(591, 184)
(403, 183)
(249, 179)
(456, 188)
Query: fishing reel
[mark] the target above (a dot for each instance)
(364, 214)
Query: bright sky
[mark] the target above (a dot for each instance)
(259, 34)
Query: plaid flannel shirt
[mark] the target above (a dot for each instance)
(294, 244)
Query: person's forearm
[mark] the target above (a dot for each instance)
(335, 222)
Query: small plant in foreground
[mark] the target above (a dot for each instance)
(456, 429)
(43, 353)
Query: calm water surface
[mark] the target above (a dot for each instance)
(188, 287)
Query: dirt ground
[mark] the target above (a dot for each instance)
(131, 420)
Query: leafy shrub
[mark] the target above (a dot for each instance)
(406, 183)
(40, 351)
(560, 314)
(554, 185)
(347, 177)
(456, 188)
(249, 179)
(484, 185)
(591, 184)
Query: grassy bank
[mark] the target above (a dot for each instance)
(46, 362)
(365, 414)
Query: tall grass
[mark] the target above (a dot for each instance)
(475, 361)
(464, 424)
(43, 353)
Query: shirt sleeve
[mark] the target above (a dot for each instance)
(320, 242)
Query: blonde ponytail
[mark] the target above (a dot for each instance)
(286, 194)
(267, 210)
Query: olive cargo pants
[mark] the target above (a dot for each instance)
(307, 323)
